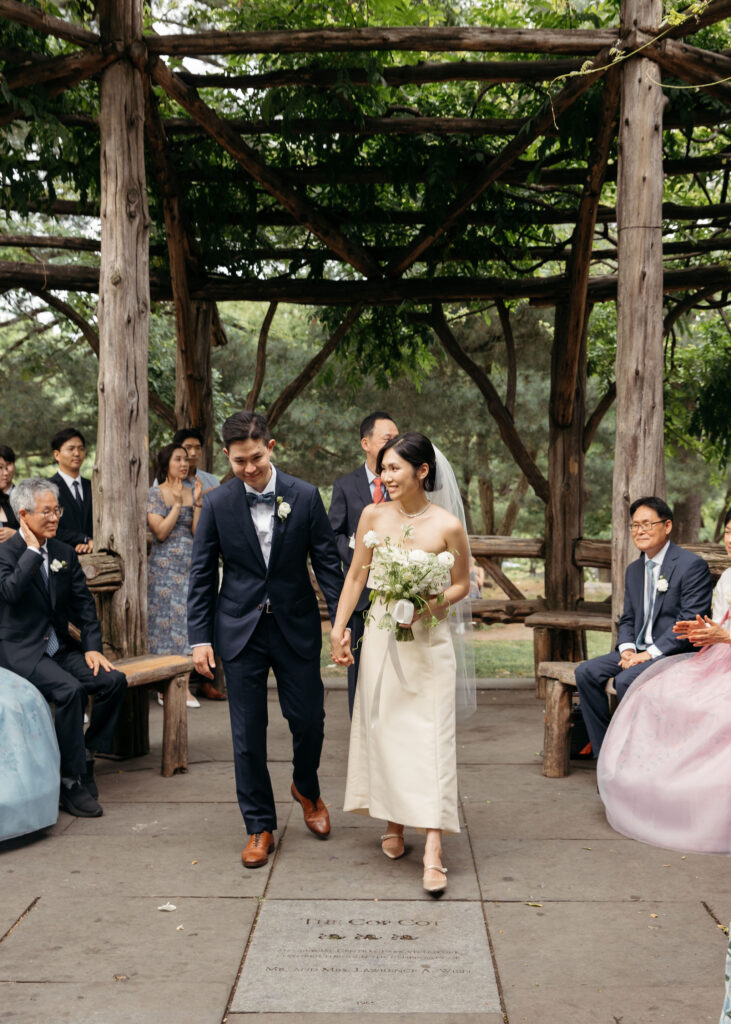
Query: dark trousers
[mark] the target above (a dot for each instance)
(591, 678)
(67, 681)
(302, 700)
(357, 628)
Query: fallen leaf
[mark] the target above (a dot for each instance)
(653, 915)
(168, 906)
(586, 848)
(194, 862)
(180, 928)
(683, 857)
(534, 904)
(121, 977)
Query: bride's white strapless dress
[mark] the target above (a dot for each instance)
(402, 763)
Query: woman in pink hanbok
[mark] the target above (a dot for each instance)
(664, 771)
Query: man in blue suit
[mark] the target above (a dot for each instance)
(664, 585)
(264, 524)
(351, 494)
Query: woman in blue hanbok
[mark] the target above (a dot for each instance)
(29, 759)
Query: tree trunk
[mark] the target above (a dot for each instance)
(194, 382)
(120, 472)
(639, 466)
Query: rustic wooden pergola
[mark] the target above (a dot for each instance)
(628, 59)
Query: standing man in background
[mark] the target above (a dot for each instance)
(191, 438)
(74, 491)
(351, 494)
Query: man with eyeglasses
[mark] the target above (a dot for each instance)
(42, 590)
(665, 584)
(69, 451)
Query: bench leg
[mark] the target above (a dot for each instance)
(556, 730)
(175, 726)
(541, 652)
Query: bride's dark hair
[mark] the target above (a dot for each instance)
(415, 449)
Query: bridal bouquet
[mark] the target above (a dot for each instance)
(406, 576)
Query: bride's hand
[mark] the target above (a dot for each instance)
(706, 631)
(340, 651)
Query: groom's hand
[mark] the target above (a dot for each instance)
(204, 661)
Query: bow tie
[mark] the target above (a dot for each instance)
(257, 499)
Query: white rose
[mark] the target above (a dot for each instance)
(284, 509)
(662, 585)
(446, 559)
(371, 539)
(418, 556)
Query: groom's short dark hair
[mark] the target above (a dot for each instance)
(657, 505)
(368, 425)
(245, 426)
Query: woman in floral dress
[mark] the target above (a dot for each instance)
(172, 515)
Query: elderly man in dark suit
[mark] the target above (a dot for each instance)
(74, 490)
(351, 494)
(42, 590)
(665, 584)
(265, 525)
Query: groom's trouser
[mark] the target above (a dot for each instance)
(591, 679)
(301, 698)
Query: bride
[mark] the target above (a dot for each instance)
(402, 764)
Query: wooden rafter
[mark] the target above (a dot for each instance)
(299, 207)
(691, 64)
(47, 24)
(70, 68)
(533, 128)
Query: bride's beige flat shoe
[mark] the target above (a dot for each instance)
(438, 887)
(398, 850)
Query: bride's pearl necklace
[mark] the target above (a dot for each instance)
(413, 515)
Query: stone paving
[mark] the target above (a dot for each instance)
(559, 918)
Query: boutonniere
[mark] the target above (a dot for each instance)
(57, 566)
(662, 585)
(283, 509)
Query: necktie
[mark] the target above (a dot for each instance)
(649, 603)
(260, 499)
(77, 492)
(52, 645)
(378, 495)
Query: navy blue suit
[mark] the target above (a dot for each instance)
(28, 607)
(689, 592)
(351, 494)
(266, 617)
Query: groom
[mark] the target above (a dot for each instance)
(264, 524)
(664, 584)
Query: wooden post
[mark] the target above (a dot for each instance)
(120, 473)
(639, 466)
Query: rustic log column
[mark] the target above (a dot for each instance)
(120, 473)
(639, 466)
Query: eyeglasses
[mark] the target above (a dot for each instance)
(48, 513)
(645, 527)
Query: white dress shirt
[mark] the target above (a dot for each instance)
(262, 516)
(651, 649)
(70, 481)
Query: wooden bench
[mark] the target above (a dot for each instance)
(560, 682)
(168, 673)
(542, 622)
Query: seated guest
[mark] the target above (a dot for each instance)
(8, 522)
(664, 772)
(29, 759)
(172, 515)
(665, 584)
(42, 590)
(74, 490)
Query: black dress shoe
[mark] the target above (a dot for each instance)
(77, 800)
(87, 779)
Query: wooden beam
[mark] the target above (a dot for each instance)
(717, 10)
(300, 208)
(532, 129)
(426, 72)
(541, 290)
(568, 341)
(71, 68)
(33, 17)
(353, 40)
(690, 64)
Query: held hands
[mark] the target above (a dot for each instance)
(631, 658)
(204, 661)
(340, 651)
(95, 660)
(701, 631)
(85, 549)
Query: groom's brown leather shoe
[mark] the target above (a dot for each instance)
(257, 850)
(209, 691)
(316, 817)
